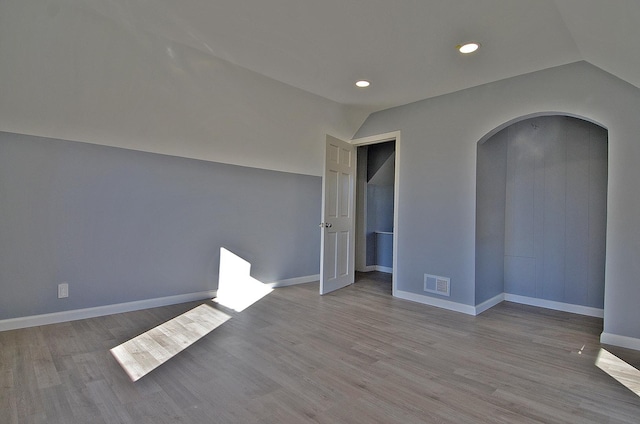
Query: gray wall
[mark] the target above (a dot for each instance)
(120, 225)
(437, 186)
(555, 218)
(490, 208)
(549, 205)
(361, 209)
(379, 218)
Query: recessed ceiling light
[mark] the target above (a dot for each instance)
(467, 48)
(363, 84)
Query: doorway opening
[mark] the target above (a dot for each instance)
(375, 213)
(340, 214)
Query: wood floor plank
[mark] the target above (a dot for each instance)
(354, 356)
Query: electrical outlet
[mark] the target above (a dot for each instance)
(63, 290)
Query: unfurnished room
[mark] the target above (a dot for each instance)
(301, 211)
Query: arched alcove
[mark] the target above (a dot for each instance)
(541, 193)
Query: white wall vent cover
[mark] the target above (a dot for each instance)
(437, 285)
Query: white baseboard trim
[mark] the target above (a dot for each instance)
(294, 281)
(622, 341)
(557, 306)
(381, 268)
(367, 268)
(371, 268)
(478, 309)
(488, 304)
(64, 316)
(438, 303)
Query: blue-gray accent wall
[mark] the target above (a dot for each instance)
(541, 211)
(491, 178)
(120, 225)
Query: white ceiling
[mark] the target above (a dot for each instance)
(404, 47)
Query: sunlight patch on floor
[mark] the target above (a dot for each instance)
(237, 289)
(624, 373)
(149, 350)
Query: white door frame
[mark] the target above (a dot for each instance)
(375, 139)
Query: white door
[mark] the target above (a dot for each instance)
(337, 250)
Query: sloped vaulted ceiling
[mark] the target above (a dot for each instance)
(404, 47)
(607, 34)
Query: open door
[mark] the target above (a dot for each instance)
(337, 251)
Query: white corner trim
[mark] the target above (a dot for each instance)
(438, 303)
(75, 314)
(622, 341)
(558, 306)
(294, 281)
(488, 304)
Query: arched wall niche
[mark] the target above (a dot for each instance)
(537, 115)
(541, 204)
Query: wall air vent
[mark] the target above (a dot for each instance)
(437, 285)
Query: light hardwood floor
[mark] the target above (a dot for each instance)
(355, 356)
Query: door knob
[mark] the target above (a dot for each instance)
(325, 225)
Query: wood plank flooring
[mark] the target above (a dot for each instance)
(355, 356)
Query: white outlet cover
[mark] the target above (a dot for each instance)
(63, 290)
